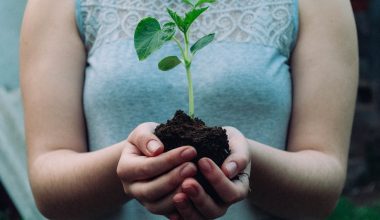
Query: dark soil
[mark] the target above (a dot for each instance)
(211, 142)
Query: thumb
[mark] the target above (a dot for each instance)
(144, 139)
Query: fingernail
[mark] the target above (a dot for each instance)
(188, 171)
(153, 146)
(181, 204)
(206, 166)
(188, 154)
(231, 168)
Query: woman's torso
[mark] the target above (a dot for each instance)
(242, 79)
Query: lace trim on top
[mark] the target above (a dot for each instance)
(265, 22)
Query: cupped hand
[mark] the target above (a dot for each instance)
(231, 182)
(150, 176)
(144, 139)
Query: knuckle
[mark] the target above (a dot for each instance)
(137, 133)
(231, 129)
(173, 181)
(172, 159)
(131, 136)
(146, 127)
(141, 127)
(216, 178)
(142, 134)
(244, 162)
(122, 171)
(144, 171)
(236, 197)
(201, 203)
(150, 125)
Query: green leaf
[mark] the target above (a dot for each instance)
(184, 23)
(149, 36)
(201, 43)
(177, 19)
(169, 63)
(189, 2)
(201, 2)
(191, 16)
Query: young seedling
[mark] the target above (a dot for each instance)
(150, 36)
(183, 130)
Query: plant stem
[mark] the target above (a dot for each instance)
(187, 45)
(179, 46)
(188, 59)
(191, 93)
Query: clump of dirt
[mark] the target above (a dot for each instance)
(211, 142)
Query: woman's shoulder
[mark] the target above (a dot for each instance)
(321, 8)
(46, 14)
(327, 19)
(51, 6)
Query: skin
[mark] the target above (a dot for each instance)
(303, 182)
(308, 178)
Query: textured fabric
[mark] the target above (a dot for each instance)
(242, 79)
(268, 22)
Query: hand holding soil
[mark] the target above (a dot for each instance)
(194, 203)
(153, 180)
(163, 182)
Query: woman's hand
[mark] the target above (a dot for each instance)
(150, 176)
(231, 182)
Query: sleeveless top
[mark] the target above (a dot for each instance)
(242, 79)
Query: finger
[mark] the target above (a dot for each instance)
(144, 139)
(238, 161)
(174, 216)
(162, 185)
(163, 206)
(185, 207)
(201, 201)
(134, 167)
(229, 191)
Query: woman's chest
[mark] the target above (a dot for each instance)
(236, 78)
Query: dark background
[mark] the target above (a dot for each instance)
(364, 164)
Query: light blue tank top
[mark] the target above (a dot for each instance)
(242, 79)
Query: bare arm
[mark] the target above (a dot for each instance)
(66, 180)
(305, 181)
(309, 178)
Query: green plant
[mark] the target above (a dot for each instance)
(150, 36)
(347, 210)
